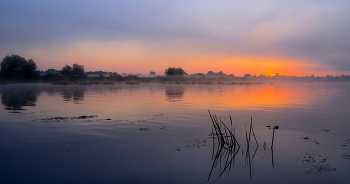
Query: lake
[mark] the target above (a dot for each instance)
(163, 133)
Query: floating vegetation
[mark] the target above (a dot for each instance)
(346, 156)
(313, 141)
(198, 143)
(347, 142)
(317, 161)
(328, 131)
(86, 117)
(62, 164)
(144, 129)
(59, 119)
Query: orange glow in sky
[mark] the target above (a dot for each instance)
(250, 37)
(138, 58)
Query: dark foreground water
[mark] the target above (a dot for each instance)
(153, 133)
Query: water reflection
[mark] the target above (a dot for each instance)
(75, 94)
(229, 97)
(184, 121)
(174, 93)
(14, 98)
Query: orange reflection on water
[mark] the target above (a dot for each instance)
(128, 100)
(250, 97)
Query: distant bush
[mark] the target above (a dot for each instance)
(75, 72)
(174, 71)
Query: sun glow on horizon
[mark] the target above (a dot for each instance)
(138, 58)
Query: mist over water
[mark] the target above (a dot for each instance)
(150, 133)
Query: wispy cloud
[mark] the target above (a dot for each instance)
(310, 31)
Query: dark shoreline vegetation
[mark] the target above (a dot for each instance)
(16, 69)
(60, 80)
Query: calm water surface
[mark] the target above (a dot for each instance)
(153, 133)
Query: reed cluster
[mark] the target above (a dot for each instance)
(226, 146)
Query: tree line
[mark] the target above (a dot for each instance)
(17, 68)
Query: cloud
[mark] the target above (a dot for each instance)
(313, 31)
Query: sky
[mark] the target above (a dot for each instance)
(294, 38)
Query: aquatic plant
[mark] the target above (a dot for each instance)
(248, 158)
(225, 144)
(273, 134)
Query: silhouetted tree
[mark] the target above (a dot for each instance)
(17, 67)
(30, 69)
(115, 76)
(66, 71)
(174, 71)
(77, 71)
